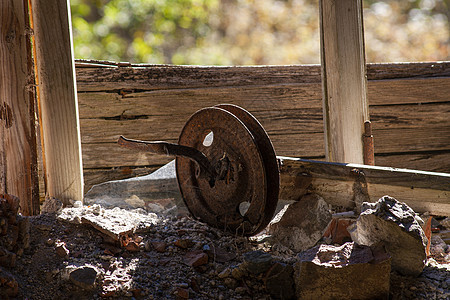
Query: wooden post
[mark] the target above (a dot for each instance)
(345, 103)
(57, 98)
(18, 159)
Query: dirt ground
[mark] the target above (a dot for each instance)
(168, 258)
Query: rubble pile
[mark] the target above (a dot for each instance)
(93, 252)
(14, 239)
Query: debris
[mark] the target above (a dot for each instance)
(196, 258)
(159, 246)
(183, 243)
(394, 225)
(61, 250)
(9, 286)
(181, 293)
(84, 277)
(218, 254)
(114, 222)
(349, 271)
(157, 192)
(14, 231)
(301, 225)
(51, 205)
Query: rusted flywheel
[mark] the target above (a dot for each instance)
(226, 168)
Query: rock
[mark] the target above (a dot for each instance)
(238, 272)
(301, 225)
(183, 243)
(7, 258)
(230, 283)
(196, 258)
(8, 285)
(394, 225)
(337, 232)
(225, 273)
(349, 271)
(114, 223)
(279, 281)
(181, 293)
(159, 246)
(61, 250)
(51, 205)
(218, 254)
(84, 277)
(256, 262)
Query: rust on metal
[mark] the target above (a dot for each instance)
(369, 155)
(173, 150)
(226, 168)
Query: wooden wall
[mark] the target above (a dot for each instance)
(409, 109)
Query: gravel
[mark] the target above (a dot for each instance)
(152, 264)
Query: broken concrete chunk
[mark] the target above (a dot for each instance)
(393, 224)
(114, 222)
(349, 271)
(301, 225)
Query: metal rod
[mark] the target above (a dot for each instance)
(166, 148)
(369, 155)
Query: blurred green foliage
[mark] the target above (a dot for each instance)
(249, 32)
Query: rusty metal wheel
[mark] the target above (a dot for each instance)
(243, 195)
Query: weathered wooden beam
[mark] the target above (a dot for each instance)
(349, 184)
(58, 107)
(345, 105)
(18, 158)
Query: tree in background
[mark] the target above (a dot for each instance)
(249, 32)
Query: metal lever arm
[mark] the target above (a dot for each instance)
(171, 149)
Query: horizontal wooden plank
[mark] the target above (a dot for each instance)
(149, 77)
(187, 101)
(287, 121)
(100, 155)
(254, 98)
(167, 77)
(436, 162)
(408, 91)
(427, 161)
(423, 191)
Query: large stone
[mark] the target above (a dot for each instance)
(84, 277)
(279, 281)
(301, 225)
(349, 271)
(257, 262)
(395, 226)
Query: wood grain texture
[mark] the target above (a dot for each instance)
(102, 155)
(345, 105)
(57, 100)
(335, 182)
(402, 97)
(18, 160)
(110, 77)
